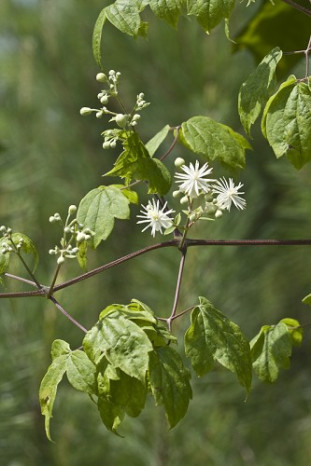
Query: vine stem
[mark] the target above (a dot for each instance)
(298, 7)
(306, 52)
(169, 150)
(66, 314)
(173, 243)
(49, 294)
(177, 289)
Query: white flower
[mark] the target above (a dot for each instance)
(192, 181)
(155, 217)
(228, 193)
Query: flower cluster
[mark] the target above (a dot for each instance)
(205, 198)
(73, 232)
(123, 120)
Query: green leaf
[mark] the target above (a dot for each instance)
(154, 143)
(213, 337)
(135, 311)
(169, 383)
(307, 299)
(169, 10)
(97, 37)
(81, 372)
(27, 247)
(286, 122)
(295, 330)
(123, 343)
(214, 141)
(59, 348)
(82, 254)
(98, 209)
(136, 163)
(124, 15)
(110, 413)
(209, 13)
(129, 393)
(259, 86)
(271, 350)
(48, 389)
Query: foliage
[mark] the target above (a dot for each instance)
(128, 353)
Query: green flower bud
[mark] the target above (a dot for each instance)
(72, 209)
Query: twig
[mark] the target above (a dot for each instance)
(177, 290)
(66, 314)
(298, 7)
(21, 279)
(172, 145)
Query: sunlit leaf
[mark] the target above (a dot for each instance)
(169, 10)
(286, 122)
(256, 90)
(271, 350)
(157, 140)
(214, 141)
(209, 13)
(81, 372)
(295, 330)
(98, 209)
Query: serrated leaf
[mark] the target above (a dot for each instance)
(169, 383)
(257, 89)
(136, 163)
(213, 337)
(124, 15)
(123, 343)
(214, 141)
(81, 372)
(271, 350)
(154, 143)
(98, 209)
(169, 10)
(209, 13)
(48, 389)
(286, 122)
(97, 37)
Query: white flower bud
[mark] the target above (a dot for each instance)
(106, 145)
(72, 209)
(184, 200)
(60, 260)
(99, 114)
(101, 77)
(179, 162)
(113, 144)
(176, 194)
(85, 111)
(104, 99)
(52, 219)
(80, 237)
(218, 213)
(121, 119)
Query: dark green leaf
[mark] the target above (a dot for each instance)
(213, 337)
(259, 86)
(214, 141)
(157, 140)
(129, 393)
(124, 15)
(136, 163)
(271, 350)
(123, 343)
(27, 247)
(98, 209)
(81, 372)
(169, 382)
(110, 413)
(286, 122)
(209, 13)
(48, 389)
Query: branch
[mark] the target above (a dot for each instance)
(177, 290)
(66, 314)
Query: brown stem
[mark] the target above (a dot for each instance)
(177, 290)
(66, 314)
(298, 7)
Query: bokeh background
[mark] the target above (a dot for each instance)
(50, 157)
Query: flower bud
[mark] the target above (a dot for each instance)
(176, 194)
(99, 114)
(184, 200)
(60, 260)
(218, 213)
(121, 120)
(72, 209)
(101, 77)
(179, 162)
(104, 99)
(85, 111)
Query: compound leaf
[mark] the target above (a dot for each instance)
(123, 343)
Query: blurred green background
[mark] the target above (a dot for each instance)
(50, 157)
